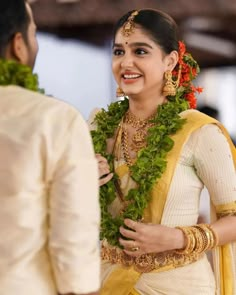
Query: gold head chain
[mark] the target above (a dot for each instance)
(128, 26)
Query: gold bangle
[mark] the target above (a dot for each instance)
(215, 236)
(204, 241)
(200, 238)
(190, 240)
(208, 235)
(211, 235)
(199, 241)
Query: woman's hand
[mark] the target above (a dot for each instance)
(150, 238)
(104, 170)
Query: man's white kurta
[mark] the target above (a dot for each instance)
(49, 208)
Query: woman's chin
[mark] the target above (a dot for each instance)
(134, 92)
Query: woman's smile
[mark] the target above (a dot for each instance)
(130, 77)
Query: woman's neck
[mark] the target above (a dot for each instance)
(145, 107)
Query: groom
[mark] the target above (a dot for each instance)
(49, 213)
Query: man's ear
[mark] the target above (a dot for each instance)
(19, 48)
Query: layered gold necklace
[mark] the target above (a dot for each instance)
(138, 140)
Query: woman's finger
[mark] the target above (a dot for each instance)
(129, 244)
(131, 224)
(105, 179)
(100, 158)
(103, 170)
(127, 233)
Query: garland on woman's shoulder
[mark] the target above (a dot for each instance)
(14, 73)
(151, 160)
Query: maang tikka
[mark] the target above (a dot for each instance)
(128, 26)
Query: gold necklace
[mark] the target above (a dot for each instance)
(137, 122)
(139, 137)
(125, 147)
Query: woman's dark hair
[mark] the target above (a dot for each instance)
(159, 25)
(13, 19)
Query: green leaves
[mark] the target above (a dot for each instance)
(148, 168)
(14, 73)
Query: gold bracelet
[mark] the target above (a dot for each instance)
(200, 238)
(204, 239)
(215, 237)
(210, 234)
(190, 240)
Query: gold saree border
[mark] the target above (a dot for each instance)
(226, 209)
(146, 263)
(223, 256)
(134, 292)
(121, 282)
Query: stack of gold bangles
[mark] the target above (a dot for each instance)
(200, 238)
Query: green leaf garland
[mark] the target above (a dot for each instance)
(14, 73)
(148, 168)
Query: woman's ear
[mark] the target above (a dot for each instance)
(172, 60)
(19, 49)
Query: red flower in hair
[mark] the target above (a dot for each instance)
(188, 69)
(182, 50)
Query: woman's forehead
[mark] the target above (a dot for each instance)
(138, 35)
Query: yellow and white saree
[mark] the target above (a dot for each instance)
(203, 154)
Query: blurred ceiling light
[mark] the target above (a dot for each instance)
(203, 23)
(213, 44)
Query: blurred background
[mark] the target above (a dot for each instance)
(74, 60)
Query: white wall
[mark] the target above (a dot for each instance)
(80, 74)
(75, 72)
(220, 92)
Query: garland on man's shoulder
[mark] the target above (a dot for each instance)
(151, 160)
(14, 73)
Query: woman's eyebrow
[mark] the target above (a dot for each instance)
(134, 44)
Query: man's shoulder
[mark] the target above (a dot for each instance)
(48, 101)
(41, 110)
(40, 103)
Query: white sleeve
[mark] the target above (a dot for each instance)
(214, 164)
(75, 214)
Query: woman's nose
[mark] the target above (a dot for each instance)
(127, 60)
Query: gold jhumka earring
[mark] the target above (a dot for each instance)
(171, 86)
(119, 92)
(128, 26)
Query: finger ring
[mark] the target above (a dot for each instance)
(134, 249)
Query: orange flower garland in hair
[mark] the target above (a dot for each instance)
(190, 69)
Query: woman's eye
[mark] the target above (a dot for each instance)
(140, 51)
(118, 52)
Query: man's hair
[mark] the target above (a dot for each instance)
(13, 19)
